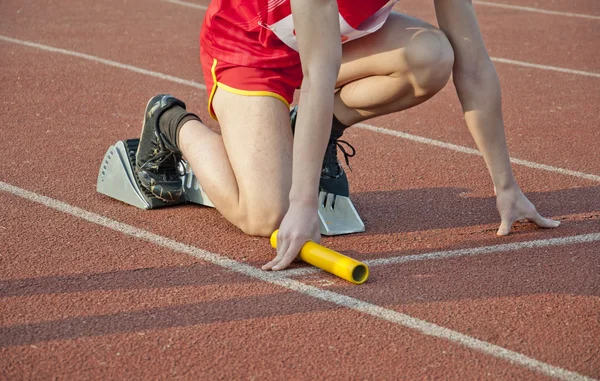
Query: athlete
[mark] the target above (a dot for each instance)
(352, 60)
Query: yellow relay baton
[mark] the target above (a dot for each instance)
(330, 261)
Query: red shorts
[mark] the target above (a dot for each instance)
(279, 83)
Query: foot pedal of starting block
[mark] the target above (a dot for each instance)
(337, 215)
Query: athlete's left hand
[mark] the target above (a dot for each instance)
(513, 205)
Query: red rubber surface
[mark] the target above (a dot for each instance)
(80, 301)
(80, 308)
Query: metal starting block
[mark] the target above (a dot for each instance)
(117, 179)
(337, 215)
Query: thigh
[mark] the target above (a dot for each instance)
(258, 139)
(385, 51)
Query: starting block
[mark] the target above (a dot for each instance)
(338, 216)
(118, 179)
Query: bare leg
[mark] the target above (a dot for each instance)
(247, 170)
(400, 66)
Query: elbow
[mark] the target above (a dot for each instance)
(322, 72)
(475, 76)
(320, 80)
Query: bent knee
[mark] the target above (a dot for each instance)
(430, 59)
(262, 222)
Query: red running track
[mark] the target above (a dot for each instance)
(81, 301)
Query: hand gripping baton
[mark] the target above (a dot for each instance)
(330, 261)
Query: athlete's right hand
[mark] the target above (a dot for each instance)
(300, 225)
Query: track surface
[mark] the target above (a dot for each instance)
(86, 292)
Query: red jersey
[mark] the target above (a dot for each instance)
(260, 33)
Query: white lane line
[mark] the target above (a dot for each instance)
(562, 241)
(381, 130)
(472, 151)
(187, 4)
(546, 67)
(281, 279)
(536, 10)
(116, 64)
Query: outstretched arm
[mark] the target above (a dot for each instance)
(478, 89)
(318, 33)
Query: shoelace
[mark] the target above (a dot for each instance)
(331, 154)
(160, 160)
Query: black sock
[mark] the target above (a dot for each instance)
(172, 120)
(337, 128)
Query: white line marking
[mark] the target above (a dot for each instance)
(546, 67)
(381, 130)
(537, 10)
(186, 4)
(280, 279)
(562, 241)
(472, 151)
(116, 64)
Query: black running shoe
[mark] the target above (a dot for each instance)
(157, 159)
(333, 177)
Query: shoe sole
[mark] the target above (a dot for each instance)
(146, 112)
